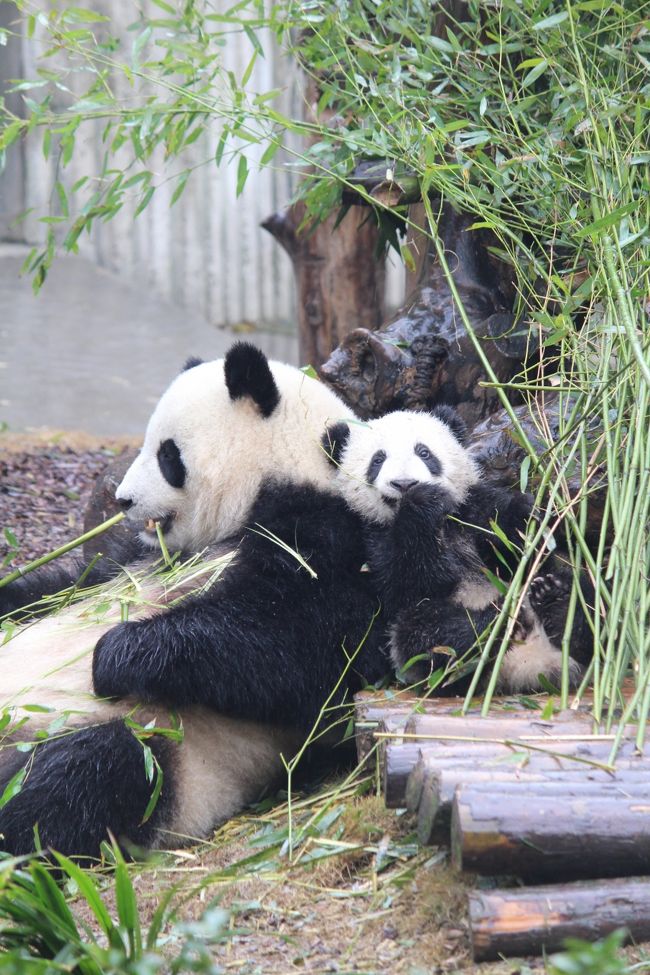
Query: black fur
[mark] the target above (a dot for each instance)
(268, 642)
(171, 464)
(18, 597)
(191, 362)
(432, 546)
(375, 465)
(81, 785)
(247, 373)
(334, 440)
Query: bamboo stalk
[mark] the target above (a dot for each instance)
(62, 550)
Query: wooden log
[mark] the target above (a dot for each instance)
(524, 922)
(398, 763)
(499, 727)
(551, 838)
(533, 755)
(437, 787)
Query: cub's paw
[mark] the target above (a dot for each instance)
(426, 499)
(549, 588)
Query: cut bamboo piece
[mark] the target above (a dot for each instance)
(524, 922)
(550, 837)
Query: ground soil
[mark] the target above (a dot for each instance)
(45, 483)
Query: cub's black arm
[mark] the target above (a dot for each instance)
(409, 558)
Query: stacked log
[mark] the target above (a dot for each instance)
(523, 921)
(522, 793)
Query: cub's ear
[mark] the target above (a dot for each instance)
(334, 441)
(248, 373)
(191, 362)
(453, 420)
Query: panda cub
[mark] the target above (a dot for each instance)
(429, 543)
(232, 451)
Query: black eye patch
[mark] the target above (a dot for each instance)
(375, 466)
(171, 466)
(430, 460)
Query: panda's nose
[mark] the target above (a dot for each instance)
(403, 486)
(124, 503)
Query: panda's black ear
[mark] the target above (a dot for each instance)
(191, 362)
(248, 373)
(453, 420)
(334, 440)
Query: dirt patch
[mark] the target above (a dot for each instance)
(45, 483)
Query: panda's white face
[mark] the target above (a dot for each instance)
(382, 459)
(215, 437)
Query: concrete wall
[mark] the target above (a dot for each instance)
(207, 252)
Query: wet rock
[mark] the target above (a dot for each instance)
(120, 542)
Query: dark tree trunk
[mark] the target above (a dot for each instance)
(425, 355)
(339, 280)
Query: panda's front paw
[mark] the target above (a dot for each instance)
(427, 500)
(111, 658)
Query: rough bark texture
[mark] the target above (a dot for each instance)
(523, 922)
(438, 788)
(425, 355)
(533, 756)
(551, 837)
(339, 280)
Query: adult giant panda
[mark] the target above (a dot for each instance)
(232, 451)
(430, 539)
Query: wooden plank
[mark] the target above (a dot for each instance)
(526, 921)
(554, 837)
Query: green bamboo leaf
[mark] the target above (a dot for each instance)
(551, 21)
(242, 175)
(534, 73)
(126, 904)
(180, 186)
(88, 890)
(13, 786)
(608, 220)
(144, 202)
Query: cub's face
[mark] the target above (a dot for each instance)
(380, 461)
(219, 431)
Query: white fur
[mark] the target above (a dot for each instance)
(398, 434)
(228, 449)
(222, 765)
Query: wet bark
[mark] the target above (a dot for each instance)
(523, 922)
(339, 280)
(425, 354)
(552, 837)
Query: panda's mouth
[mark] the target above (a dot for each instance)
(151, 525)
(391, 502)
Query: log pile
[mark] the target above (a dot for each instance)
(526, 794)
